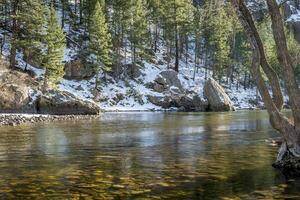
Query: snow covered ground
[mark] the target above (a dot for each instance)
(295, 16)
(130, 95)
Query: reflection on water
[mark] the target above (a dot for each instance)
(144, 156)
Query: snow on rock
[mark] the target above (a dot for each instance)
(294, 17)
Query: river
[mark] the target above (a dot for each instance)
(144, 156)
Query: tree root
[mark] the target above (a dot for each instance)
(289, 164)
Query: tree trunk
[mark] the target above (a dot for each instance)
(289, 153)
(80, 11)
(63, 14)
(285, 60)
(13, 50)
(176, 51)
(186, 50)
(156, 37)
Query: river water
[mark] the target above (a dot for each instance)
(144, 156)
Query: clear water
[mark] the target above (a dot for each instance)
(144, 156)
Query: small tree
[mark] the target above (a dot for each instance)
(55, 45)
(100, 42)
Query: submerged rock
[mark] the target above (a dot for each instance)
(64, 103)
(218, 100)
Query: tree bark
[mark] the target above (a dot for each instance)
(285, 60)
(176, 51)
(289, 153)
(13, 50)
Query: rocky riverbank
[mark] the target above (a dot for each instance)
(19, 119)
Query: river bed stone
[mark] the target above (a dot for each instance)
(19, 119)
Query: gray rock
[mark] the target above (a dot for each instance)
(13, 97)
(160, 80)
(187, 103)
(158, 88)
(194, 103)
(175, 90)
(64, 103)
(163, 101)
(172, 79)
(173, 93)
(165, 81)
(218, 100)
(15, 92)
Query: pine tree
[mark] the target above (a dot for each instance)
(138, 32)
(119, 25)
(155, 17)
(218, 29)
(32, 20)
(24, 20)
(99, 41)
(177, 14)
(55, 43)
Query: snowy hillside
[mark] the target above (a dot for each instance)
(131, 94)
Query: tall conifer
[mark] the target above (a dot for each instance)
(99, 41)
(55, 43)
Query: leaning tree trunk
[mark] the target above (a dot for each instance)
(289, 153)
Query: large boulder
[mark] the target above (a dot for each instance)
(20, 93)
(218, 100)
(78, 69)
(165, 81)
(64, 103)
(13, 98)
(172, 94)
(15, 92)
(192, 103)
(186, 103)
(171, 79)
(163, 101)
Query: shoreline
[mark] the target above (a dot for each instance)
(16, 119)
